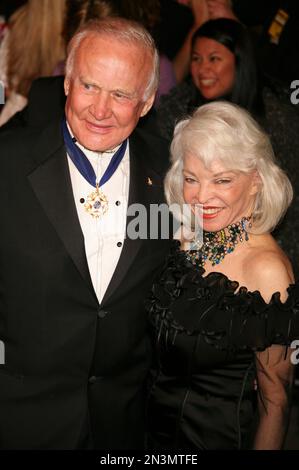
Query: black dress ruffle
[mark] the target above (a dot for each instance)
(206, 331)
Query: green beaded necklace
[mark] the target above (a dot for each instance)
(216, 245)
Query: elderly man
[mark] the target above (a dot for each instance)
(72, 284)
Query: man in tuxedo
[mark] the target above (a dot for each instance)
(72, 284)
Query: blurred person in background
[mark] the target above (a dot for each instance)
(31, 49)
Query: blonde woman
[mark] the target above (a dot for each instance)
(32, 49)
(224, 310)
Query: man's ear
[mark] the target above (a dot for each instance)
(147, 105)
(256, 183)
(66, 85)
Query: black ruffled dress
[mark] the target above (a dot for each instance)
(203, 392)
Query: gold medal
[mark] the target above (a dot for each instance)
(96, 204)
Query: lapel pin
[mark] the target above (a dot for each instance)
(149, 181)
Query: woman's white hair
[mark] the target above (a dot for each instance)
(123, 30)
(227, 133)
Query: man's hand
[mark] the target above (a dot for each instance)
(200, 11)
(220, 9)
(184, 2)
(204, 10)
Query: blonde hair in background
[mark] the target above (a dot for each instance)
(35, 42)
(226, 132)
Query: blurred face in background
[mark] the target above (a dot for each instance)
(212, 68)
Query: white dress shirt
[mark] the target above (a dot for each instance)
(104, 236)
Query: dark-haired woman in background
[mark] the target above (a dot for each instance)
(222, 66)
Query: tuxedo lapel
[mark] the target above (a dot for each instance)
(145, 185)
(51, 183)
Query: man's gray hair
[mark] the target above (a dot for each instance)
(125, 31)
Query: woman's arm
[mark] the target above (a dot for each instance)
(181, 61)
(270, 271)
(267, 271)
(274, 378)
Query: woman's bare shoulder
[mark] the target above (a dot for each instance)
(267, 268)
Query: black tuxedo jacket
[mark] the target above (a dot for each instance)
(75, 371)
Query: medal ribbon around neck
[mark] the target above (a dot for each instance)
(97, 203)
